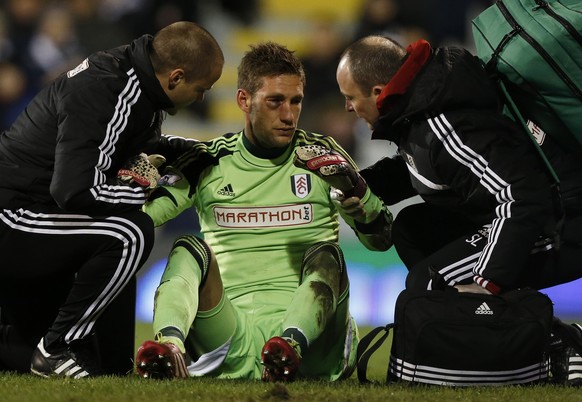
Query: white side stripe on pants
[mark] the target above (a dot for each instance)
(64, 224)
(488, 178)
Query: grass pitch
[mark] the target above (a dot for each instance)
(28, 388)
(128, 389)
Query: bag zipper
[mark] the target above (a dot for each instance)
(517, 29)
(544, 5)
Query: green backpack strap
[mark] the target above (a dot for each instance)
(518, 116)
(365, 351)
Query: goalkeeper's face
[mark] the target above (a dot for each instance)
(272, 112)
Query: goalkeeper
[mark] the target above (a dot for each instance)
(264, 293)
(71, 231)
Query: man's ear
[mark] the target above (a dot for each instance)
(377, 90)
(175, 78)
(243, 99)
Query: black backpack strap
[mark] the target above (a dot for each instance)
(570, 335)
(365, 351)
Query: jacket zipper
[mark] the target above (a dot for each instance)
(519, 30)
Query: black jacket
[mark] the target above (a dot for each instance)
(66, 147)
(463, 153)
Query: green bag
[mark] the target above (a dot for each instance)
(534, 48)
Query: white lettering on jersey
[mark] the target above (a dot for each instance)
(81, 67)
(263, 217)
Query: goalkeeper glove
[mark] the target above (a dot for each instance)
(331, 167)
(142, 170)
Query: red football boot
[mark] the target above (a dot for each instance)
(160, 360)
(281, 358)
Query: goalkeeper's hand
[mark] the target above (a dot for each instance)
(331, 167)
(352, 206)
(142, 170)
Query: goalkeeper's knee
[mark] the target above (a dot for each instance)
(199, 250)
(323, 256)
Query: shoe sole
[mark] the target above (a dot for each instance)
(38, 373)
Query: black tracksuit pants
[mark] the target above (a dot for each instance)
(59, 273)
(428, 238)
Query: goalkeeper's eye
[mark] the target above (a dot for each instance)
(273, 103)
(297, 100)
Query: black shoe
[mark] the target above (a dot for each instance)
(73, 361)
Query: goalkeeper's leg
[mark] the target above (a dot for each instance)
(191, 282)
(313, 305)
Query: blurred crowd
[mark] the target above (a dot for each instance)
(441, 22)
(40, 39)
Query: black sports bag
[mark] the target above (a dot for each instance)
(463, 339)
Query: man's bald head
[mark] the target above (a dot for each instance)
(372, 60)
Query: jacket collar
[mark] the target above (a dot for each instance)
(139, 54)
(418, 54)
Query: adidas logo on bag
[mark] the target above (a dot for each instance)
(226, 190)
(484, 309)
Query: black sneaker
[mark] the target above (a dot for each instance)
(70, 362)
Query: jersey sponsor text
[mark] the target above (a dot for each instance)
(263, 217)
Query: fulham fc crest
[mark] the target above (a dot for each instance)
(301, 185)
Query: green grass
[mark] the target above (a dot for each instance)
(31, 389)
(28, 388)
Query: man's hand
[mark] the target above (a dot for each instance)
(331, 167)
(472, 288)
(142, 170)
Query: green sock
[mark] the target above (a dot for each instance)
(314, 301)
(295, 335)
(176, 300)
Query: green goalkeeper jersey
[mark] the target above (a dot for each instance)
(258, 215)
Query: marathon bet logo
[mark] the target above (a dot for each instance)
(484, 309)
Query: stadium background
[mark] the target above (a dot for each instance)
(42, 38)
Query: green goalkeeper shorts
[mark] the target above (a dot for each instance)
(242, 328)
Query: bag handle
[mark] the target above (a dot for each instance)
(365, 351)
(568, 334)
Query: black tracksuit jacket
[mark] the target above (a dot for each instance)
(66, 147)
(463, 154)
